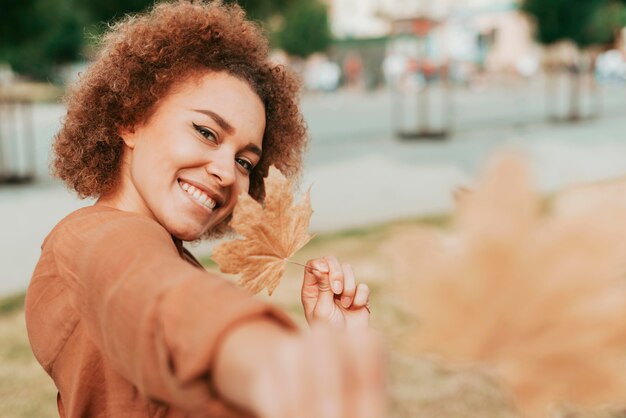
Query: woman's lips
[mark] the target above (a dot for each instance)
(198, 195)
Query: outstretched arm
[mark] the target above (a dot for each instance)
(324, 374)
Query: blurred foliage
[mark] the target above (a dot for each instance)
(305, 29)
(100, 11)
(607, 22)
(36, 36)
(584, 22)
(18, 25)
(262, 9)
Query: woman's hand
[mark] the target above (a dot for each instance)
(330, 293)
(323, 374)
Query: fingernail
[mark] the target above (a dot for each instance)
(337, 286)
(345, 301)
(322, 268)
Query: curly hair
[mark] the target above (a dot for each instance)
(141, 58)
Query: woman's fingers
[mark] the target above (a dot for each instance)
(335, 274)
(314, 273)
(317, 295)
(362, 296)
(330, 292)
(349, 286)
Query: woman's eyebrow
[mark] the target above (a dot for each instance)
(229, 129)
(254, 149)
(218, 119)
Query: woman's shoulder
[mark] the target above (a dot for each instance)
(99, 213)
(104, 222)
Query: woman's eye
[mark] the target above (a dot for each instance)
(205, 132)
(247, 165)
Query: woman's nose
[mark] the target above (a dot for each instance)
(222, 168)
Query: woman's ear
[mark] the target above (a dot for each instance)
(128, 136)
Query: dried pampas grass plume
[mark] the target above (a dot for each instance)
(536, 296)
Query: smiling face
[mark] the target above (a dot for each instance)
(186, 165)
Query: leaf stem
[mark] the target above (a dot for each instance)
(303, 265)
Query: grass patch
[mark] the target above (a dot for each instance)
(380, 230)
(370, 233)
(25, 389)
(11, 304)
(207, 262)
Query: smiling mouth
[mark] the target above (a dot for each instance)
(198, 195)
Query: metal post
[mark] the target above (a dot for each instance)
(3, 127)
(29, 140)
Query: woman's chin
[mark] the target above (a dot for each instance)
(187, 232)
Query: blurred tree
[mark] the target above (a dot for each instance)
(607, 22)
(559, 20)
(107, 10)
(17, 24)
(263, 9)
(583, 22)
(305, 29)
(104, 11)
(37, 35)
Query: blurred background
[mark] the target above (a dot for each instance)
(405, 100)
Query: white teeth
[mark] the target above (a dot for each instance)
(199, 195)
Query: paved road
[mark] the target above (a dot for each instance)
(359, 172)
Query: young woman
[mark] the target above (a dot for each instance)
(180, 112)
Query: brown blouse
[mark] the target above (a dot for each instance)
(127, 323)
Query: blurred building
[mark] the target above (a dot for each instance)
(357, 19)
(503, 35)
(489, 35)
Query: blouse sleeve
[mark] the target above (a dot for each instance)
(157, 318)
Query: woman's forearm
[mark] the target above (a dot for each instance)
(242, 357)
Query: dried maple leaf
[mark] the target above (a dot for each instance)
(538, 297)
(271, 233)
